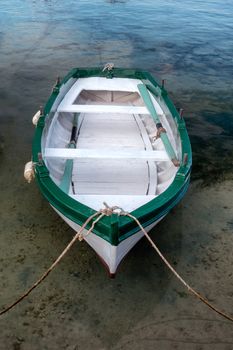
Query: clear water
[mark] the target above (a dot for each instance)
(188, 43)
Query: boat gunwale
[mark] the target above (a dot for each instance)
(112, 229)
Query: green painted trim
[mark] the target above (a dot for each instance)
(149, 104)
(67, 175)
(66, 178)
(113, 229)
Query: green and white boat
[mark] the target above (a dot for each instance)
(111, 136)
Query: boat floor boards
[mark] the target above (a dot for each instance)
(111, 176)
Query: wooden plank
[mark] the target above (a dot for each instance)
(103, 109)
(110, 171)
(110, 176)
(113, 188)
(152, 167)
(106, 142)
(104, 131)
(68, 153)
(109, 129)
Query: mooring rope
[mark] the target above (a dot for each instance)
(190, 289)
(107, 211)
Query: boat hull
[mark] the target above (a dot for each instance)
(125, 156)
(110, 255)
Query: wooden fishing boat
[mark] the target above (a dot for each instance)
(111, 136)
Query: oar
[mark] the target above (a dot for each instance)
(67, 175)
(163, 135)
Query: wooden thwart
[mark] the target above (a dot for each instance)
(104, 109)
(69, 153)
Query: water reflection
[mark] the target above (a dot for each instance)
(116, 1)
(187, 48)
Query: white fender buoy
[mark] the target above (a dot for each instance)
(36, 117)
(29, 171)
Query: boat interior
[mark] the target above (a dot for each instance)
(117, 157)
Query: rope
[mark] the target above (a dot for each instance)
(107, 211)
(160, 130)
(190, 289)
(108, 66)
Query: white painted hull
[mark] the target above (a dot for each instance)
(111, 141)
(109, 254)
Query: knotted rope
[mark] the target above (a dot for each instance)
(160, 130)
(107, 211)
(108, 66)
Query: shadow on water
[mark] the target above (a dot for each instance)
(210, 125)
(116, 1)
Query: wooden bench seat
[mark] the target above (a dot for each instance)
(103, 109)
(69, 153)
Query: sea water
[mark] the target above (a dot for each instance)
(190, 45)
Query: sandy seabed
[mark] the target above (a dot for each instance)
(145, 306)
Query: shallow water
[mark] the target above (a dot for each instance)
(189, 44)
